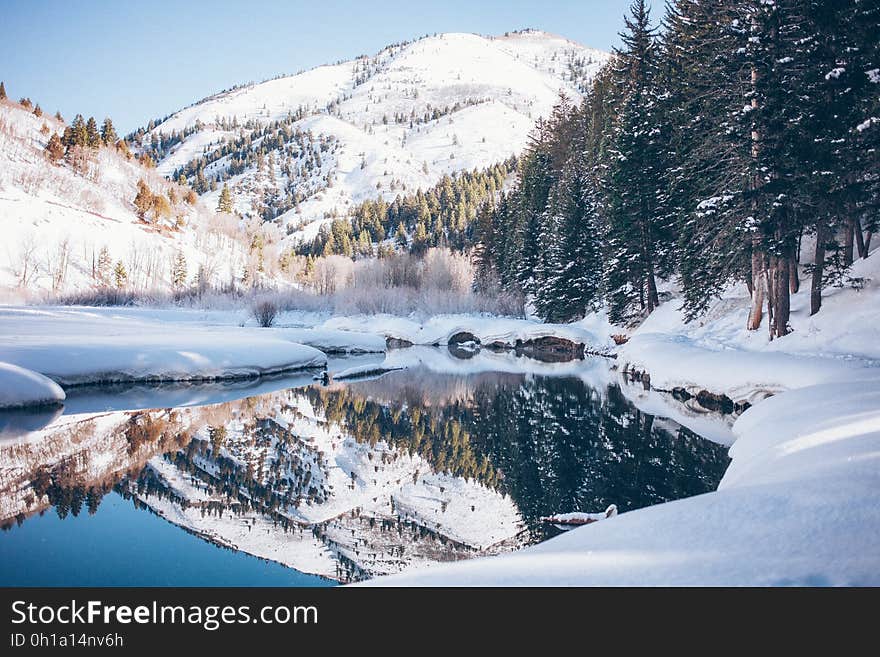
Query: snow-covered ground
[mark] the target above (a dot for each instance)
(75, 346)
(799, 505)
(716, 352)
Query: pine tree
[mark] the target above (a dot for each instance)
(76, 134)
(108, 133)
(2, 91)
(702, 82)
(639, 234)
(178, 271)
(224, 204)
(572, 282)
(55, 149)
(103, 267)
(120, 275)
(93, 136)
(400, 236)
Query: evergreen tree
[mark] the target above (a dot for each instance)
(636, 208)
(55, 149)
(224, 204)
(108, 133)
(571, 285)
(120, 275)
(93, 136)
(2, 91)
(76, 134)
(400, 236)
(178, 271)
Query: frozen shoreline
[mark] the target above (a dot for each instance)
(75, 347)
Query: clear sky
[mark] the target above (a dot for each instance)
(135, 60)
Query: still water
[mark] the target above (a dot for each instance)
(292, 483)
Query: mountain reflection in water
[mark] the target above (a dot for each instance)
(354, 480)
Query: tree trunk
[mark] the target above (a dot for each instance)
(818, 268)
(653, 297)
(648, 259)
(849, 229)
(781, 298)
(860, 239)
(758, 286)
(793, 273)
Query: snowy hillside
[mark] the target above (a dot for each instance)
(67, 225)
(305, 147)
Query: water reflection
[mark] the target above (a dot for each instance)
(354, 480)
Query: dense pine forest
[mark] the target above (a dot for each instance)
(724, 144)
(442, 216)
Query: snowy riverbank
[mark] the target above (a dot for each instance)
(76, 346)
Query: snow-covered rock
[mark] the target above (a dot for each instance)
(487, 329)
(23, 387)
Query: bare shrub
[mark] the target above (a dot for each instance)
(265, 312)
(441, 282)
(105, 296)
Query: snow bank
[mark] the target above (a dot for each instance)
(718, 353)
(488, 329)
(23, 387)
(799, 505)
(335, 342)
(364, 371)
(677, 360)
(73, 346)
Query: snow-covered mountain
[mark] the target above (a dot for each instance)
(306, 147)
(298, 149)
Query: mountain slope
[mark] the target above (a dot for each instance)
(67, 224)
(304, 148)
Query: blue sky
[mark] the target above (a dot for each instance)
(135, 60)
